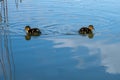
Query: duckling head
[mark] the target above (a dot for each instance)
(27, 28)
(91, 27)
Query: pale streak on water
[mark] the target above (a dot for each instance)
(60, 53)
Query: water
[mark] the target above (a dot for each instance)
(60, 53)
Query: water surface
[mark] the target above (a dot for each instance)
(60, 53)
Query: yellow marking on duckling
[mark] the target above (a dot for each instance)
(91, 27)
(27, 28)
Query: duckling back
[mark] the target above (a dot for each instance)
(34, 32)
(85, 30)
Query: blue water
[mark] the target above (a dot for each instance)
(60, 53)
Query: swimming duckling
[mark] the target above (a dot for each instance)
(33, 31)
(86, 30)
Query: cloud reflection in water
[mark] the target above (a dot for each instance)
(108, 52)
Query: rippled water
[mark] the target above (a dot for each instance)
(60, 53)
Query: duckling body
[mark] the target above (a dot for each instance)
(86, 30)
(32, 31)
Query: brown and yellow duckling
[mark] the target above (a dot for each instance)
(86, 30)
(32, 31)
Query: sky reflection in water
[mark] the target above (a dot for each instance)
(108, 52)
(71, 55)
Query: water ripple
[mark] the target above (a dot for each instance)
(53, 20)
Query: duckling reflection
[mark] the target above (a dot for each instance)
(87, 31)
(90, 35)
(31, 32)
(27, 37)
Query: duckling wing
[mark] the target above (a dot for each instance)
(35, 30)
(83, 30)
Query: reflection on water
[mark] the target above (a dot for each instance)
(17, 2)
(108, 52)
(4, 11)
(90, 35)
(6, 56)
(57, 57)
(28, 37)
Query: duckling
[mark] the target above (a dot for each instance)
(32, 31)
(86, 30)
